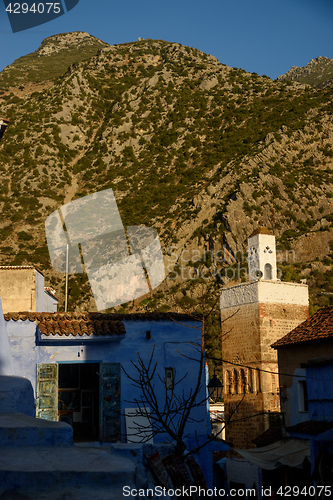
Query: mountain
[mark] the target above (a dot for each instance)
(318, 72)
(51, 60)
(200, 151)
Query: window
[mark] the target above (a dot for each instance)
(169, 378)
(235, 382)
(250, 381)
(242, 381)
(302, 396)
(268, 272)
(228, 382)
(258, 381)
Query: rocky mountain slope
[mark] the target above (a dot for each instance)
(318, 72)
(200, 151)
(50, 61)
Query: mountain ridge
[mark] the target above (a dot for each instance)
(318, 72)
(64, 48)
(200, 151)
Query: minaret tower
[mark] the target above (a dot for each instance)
(262, 255)
(254, 316)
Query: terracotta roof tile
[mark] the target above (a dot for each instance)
(91, 324)
(72, 324)
(50, 291)
(312, 427)
(317, 327)
(270, 436)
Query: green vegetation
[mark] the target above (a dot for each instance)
(162, 125)
(35, 69)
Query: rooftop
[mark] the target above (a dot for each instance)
(317, 327)
(89, 323)
(261, 230)
(50, 291)
(312, 427)
(18, 268)
(270, 436)
(72, 324)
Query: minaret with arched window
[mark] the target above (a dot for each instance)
(254, 315)
(262, 255)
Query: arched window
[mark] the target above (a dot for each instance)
(258, 381)
(227, 382)
(242, 381)
(249, 380)
(235, 384)
(268, 272)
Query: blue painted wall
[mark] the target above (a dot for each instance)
(295, 416)
(167, 336)
(320, 392)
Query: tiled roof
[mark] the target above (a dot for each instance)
(312, 427)
(93, 323)
(51, 291)
(270, 436)
(317, 327)
(18, 268)
(72, 324)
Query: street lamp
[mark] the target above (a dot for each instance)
(215, 388)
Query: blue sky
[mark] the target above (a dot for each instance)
(266, 37)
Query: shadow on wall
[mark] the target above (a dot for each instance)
(6, 360)
(16, 395)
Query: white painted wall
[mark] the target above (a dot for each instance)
(261, 251)
(6, 360)
(44, 300)
(291, 406)
(51, 304)
(265, 291)
(241, 471)
(40, 294)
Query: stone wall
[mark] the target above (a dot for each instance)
(250, 324)
(22, 289)
(18, 289)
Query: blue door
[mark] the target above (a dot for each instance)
(47, 391)
(109, 400)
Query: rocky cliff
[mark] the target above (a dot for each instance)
(200, 151)
(318, 72)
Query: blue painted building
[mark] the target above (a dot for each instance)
(77, 364)
(306, 386)
(319, 428)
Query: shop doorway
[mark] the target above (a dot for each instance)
(78, 399)
(85, 395)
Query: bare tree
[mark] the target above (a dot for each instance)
(176, 412)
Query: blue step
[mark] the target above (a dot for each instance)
(18, 429)
(43, 468)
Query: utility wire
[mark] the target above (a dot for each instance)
(267, 371)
